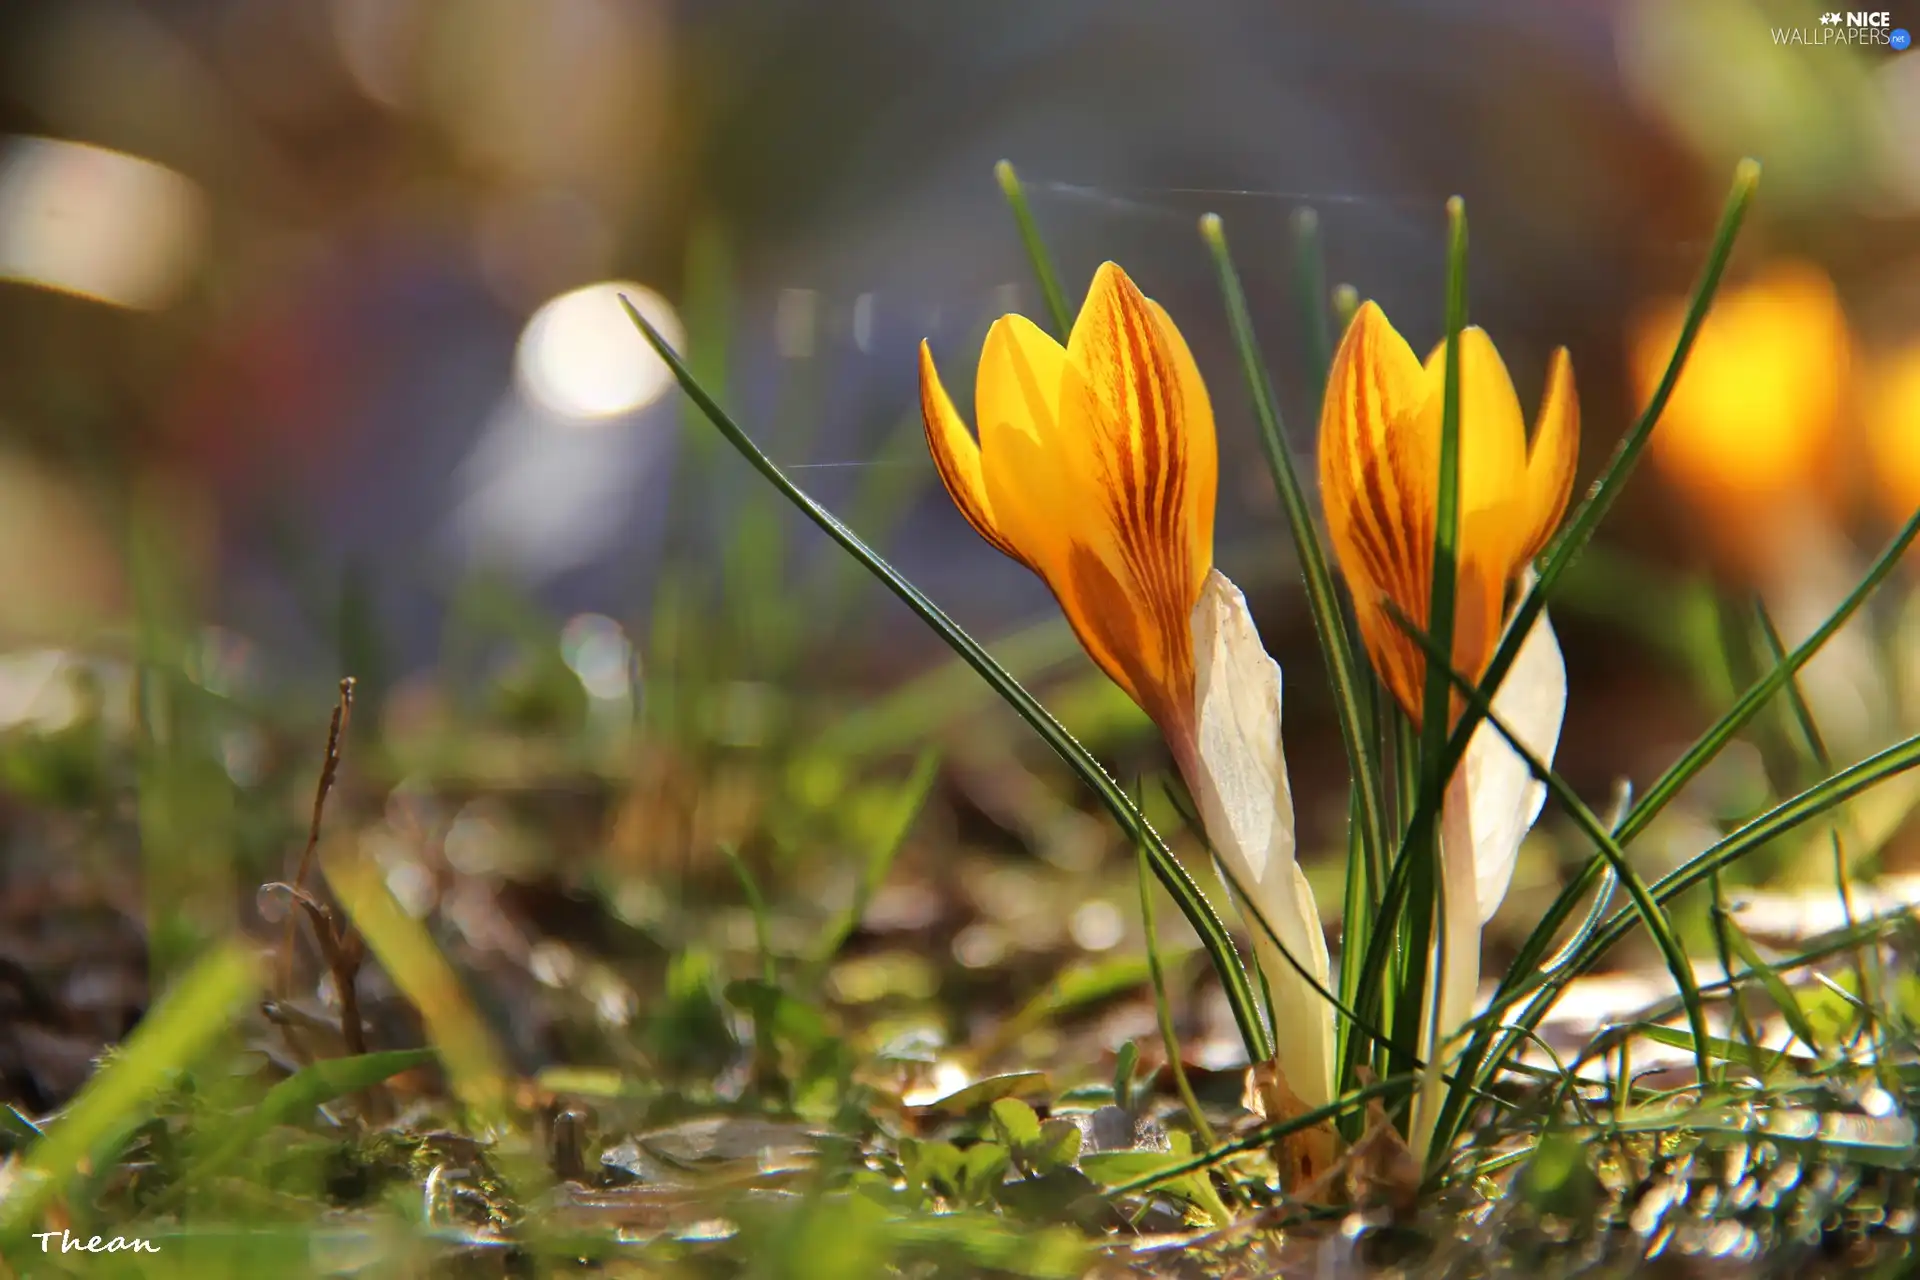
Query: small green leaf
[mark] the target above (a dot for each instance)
(982, 1169)
(1016, 1124)
(1062, 1194)
(931, 1166)
(1058, 1144)
(989, 1089)
(1559, 1180)
(1115, 1167)
(1127, 1060)
(1723, 1048)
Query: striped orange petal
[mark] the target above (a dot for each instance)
(1095, 467)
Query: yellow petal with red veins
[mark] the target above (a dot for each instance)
(1096, 468)
(1379, 509)
(955, 455)
(1198, 443)
(1126, 497)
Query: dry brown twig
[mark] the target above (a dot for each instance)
(340, 945)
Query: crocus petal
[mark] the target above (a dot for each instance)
(1553, 456)
(956, 456)
(1493, 432)
(1493, 464)
(1019, 390)
(1197, 434)
(1113, 502)
(1892, 419)
(1096, 468)
(1240, 784)
(1379, 491)
(1503, 796)
(1147, 439)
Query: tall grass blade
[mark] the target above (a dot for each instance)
(1586, 517)
(906, 802)
(1186, 894)
(416, 966)
(1323, 603)
(1430, 884)
(1163, 1012)
(1822, 759)
(1345, 300)
(1644, 905)
(757, 907)
(1310, 296)
(1043, 271)
(1725, 852)
(1762, 691)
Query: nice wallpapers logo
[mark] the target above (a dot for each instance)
(1865, 28)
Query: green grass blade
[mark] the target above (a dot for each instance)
(1428, 887)
(1355, 924)
(1323, 602)
(1345, 300)
(1743, 841)
(1643, 904)
(1776, 987)
(757, 906)
(1822, 760)
(1310, 296)
(1043, 270)
(1722, 921)
(196, 1012)
(1698, 756)
(1811, 738)
(416, 965)
(1446, 523)
(1191, 901)
(1587, 516)
(295, 1098)
(908, 801)
(1163, 1013)
(1596, 912)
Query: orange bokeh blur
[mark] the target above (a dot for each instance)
(1892, 420)
(1756, 421)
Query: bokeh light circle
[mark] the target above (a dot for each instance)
(581, 358)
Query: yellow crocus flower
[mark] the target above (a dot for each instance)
(1380, 432)
(1380, 480)
(1096, 468)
